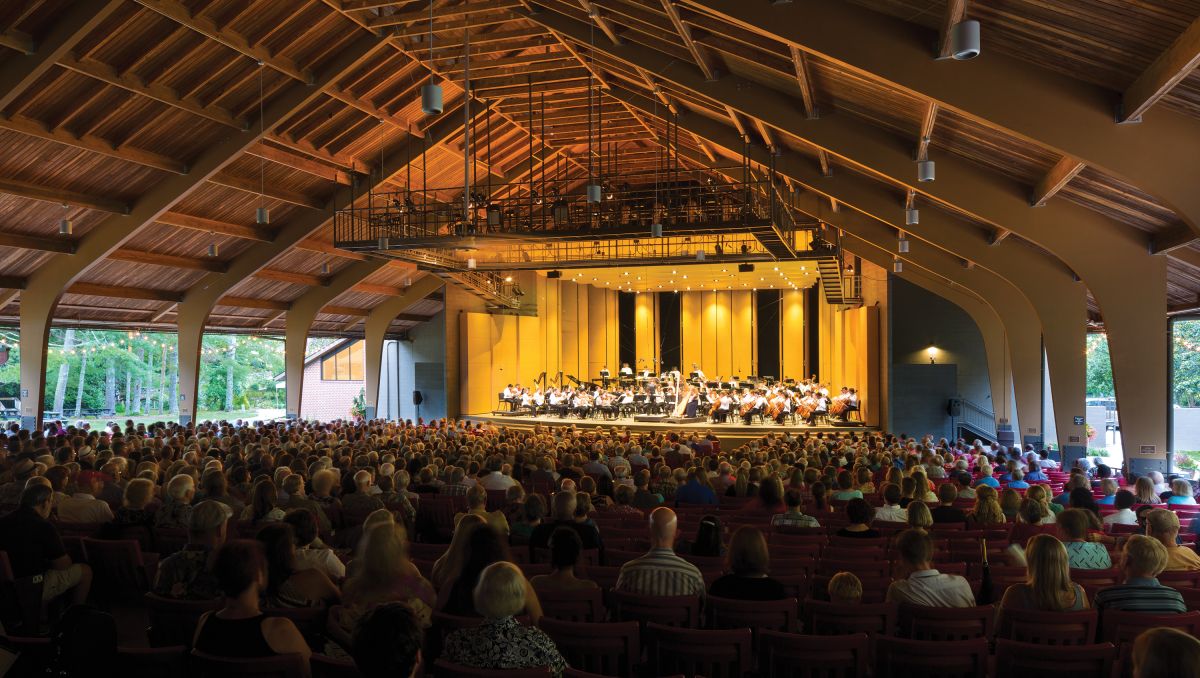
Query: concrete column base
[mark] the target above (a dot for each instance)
(370, 412)
(1140, 467)
(31, 423)
(185, 419)
(1072, 452)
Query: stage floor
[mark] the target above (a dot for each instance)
(737, 430)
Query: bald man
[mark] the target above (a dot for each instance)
(660, 572)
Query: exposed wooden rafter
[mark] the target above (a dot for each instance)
(1168, 70)
(1058, 177)
(956, 11)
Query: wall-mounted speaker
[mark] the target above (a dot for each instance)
(418, 398)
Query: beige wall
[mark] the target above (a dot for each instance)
(717, 332)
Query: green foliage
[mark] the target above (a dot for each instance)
(359, 407)
(1186, 363)
(151, 359)
(1099, 367)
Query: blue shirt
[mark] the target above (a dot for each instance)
(989, 481)
(692, 492)
(1036, 476)
(1018, 484)
(1107, 501)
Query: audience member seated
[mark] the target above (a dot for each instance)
(176, 511)
(1142, 560)
(1074, 525)
(565, 551)
(533, 512)
(563, 506)
(1144, 493)
(293, 487)
(264, 504)
(918, 582)
(845, 588)
(188, 574)
(35, 548)
(362, 500)
(987, 512)
(1048, 586)
(1163, 525)
(1109, 487)
(860, 514)
(749, 561)
(133, 511)
(709, 541)
(311, 552)
(643, 498)
(891, 511)
(1181, 493)
(387, 642)
(1166, 653)
(382, 575)
(919, 516)
(1010, 503)
(696, 490)
(216, 488)
(845, 487)
(623, 502)
(240, 629)
(1124, 514)
(794, 515)
(501, 642)
(946, 512)
(962, 486)
(477, 504)
(1017, 480)
(484, 547)
(287, 584)
(660, 572)
(456, 552)
(83, 506)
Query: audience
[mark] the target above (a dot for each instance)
(921, 584)
(1163, 525)
(287, 584)
(794, 515)
(189, 574)
(860, 514)
(1166, 653)
(501, 642)
(565, 551)
(748, 564)
(35, 549)
(660, 572)
(845, 588)
(1124, 515)
(1073, 526)
(1142, 560)
(387, 642)
(239, 629)
(1048, 586)
(311, 552)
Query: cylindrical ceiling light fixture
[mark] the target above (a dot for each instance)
(656, 231)
(384, 243)
(912, 216)
(262, 215)
(325, 268)
(471, 263)
(213, 250)
(902, 245)
(964, 40)
(594, 193)
(431, 99)
(897, 266)
(700, 255)
(925, 170)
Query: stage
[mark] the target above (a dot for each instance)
(736, 432)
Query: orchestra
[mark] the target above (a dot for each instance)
(751, 400)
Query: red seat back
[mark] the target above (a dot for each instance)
(759, 615)
(1119, 626)
(152, 662)
(1049, 628)
(683, 611)
(608, 649)
(1077, 661)
(445, 669)
(902, 658)
(584, 605)
(690, 652)
(920, 622)
(803, 656)
(282, 666)
(173, 622)
(118, 564)
(834, 619)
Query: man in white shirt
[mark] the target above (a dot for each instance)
(626, 370)
(1124, 514)
(83, 506)
(495, 478)
(891, 511)
(924, 585)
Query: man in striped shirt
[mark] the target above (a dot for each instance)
(660, 572)
(1144, 558)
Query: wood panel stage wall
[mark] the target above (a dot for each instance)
(574, 327)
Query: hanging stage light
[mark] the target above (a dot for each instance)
(262, 215)
(912, 217)
(384, 243)
(65, 227)
(656, 230)
(902, 245)
(212, 249)
(925, 170)
(897, 266)
(964, 40)
(700, 255)
(431, 94)
(594, 193)
(325, 268)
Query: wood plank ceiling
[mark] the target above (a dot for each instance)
(101, 101)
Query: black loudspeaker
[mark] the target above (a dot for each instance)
(418, 398)
(553, 274)
(955, 407)
(745, 268)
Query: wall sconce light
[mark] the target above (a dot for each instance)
(932, 351)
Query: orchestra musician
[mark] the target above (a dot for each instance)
(626, 370)
(697, 374)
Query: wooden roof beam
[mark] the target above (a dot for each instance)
(90, 142)
(291, 277)
(768, 137)
(1168, 70)
(300, 163)
(119, 292)
(926, 133)
(253, 185)
(75, 21)
(602, 23)
(169, 260)
(188, 221)
(800, 66)
(998, 236)
(956, 11)
(421, 32)
(737, 122)
(18, 40)
(1055, 180)
(702, 58)
(422, 15)
(248, 302)
(29, 242)
(62, 197)
(311, 245)
(156, 91)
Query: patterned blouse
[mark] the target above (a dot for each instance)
(173, 514)
(1088, 555)
(503, 644)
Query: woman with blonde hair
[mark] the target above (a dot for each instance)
(987, 511)
(384, 575)
(447, 567)
(1010, 503)
(1041, 494)
(919, 516)
(921, 491)
(1048, 586)
(1143, 491)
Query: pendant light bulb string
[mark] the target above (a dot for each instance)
(262, 163)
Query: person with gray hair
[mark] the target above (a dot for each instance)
(362, 500)
(500, 642)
